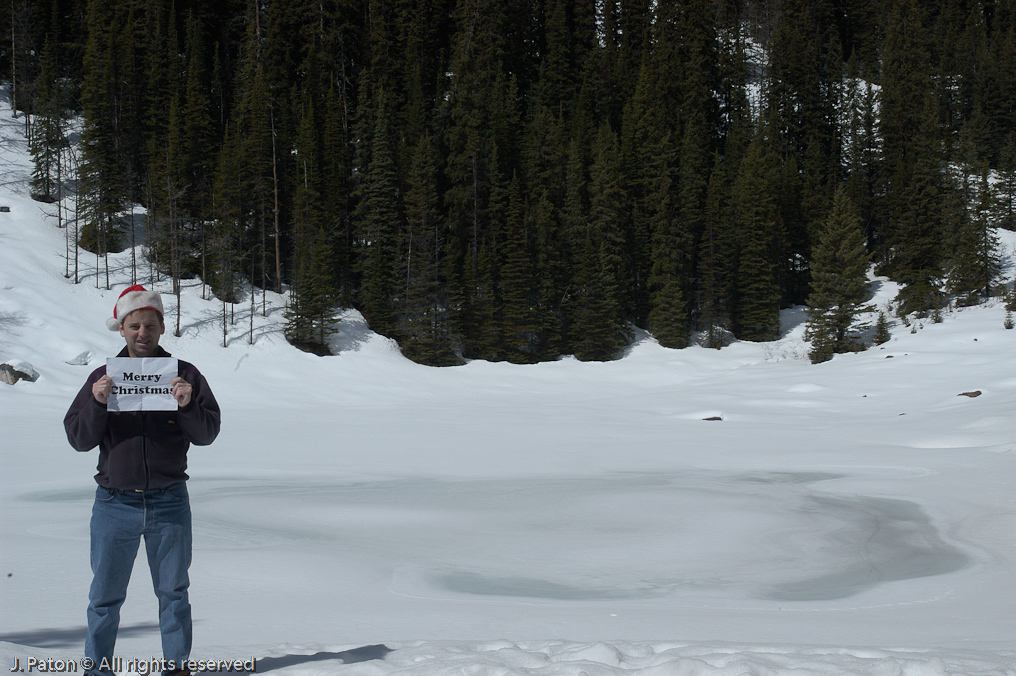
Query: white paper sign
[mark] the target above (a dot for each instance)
(142, 384)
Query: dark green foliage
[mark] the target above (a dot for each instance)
(882, 334)
(48, 141)
(311, 313)
(380, 223)
(916, 254)
(1005, 202)
(425, 323)
(715, 250)
(760, 239)
(555, 216)
(101, 175)
(976, 258)
(864, 171)
(599, 324)
(906, 82)
(517, 283)
(1010, 301)
(839, 266)
(310, 316)
(510, 180)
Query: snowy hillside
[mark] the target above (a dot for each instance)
(690, 512)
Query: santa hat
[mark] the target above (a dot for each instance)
(134, 298)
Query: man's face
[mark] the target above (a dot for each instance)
(141, 329)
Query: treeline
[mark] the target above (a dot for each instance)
(521, 179)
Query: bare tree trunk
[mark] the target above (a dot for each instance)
(14, 68)
(59, 189)
(174, 262)
(153, 251)
(77, 210)
(275, 181)
(105, 248)
(177, 334)
(172, 224)
(264, 266)
(204, 257)
(98, 248)
(134, 252)
(59, 213)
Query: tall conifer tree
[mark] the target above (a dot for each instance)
(714, 253)
(976, 260)
(600, 325)
(760, 234)
(47, 139)
(839, 265)
(425, 325)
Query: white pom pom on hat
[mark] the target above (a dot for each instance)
(134, 298)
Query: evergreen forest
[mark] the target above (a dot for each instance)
(523, 179)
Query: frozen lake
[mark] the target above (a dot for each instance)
(773, 536)
(631, 549)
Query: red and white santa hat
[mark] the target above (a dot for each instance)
(134, 298)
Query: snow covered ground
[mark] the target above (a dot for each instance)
(362, 514)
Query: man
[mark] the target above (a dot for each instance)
(142, 489)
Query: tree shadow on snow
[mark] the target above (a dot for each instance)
(363, 654)
(67, 638)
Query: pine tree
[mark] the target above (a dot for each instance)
(518, 284)
(909, 128)
(757, 312)
(425, 326)
(994, 113)
(917, 228)
(307, 206)
(553, 173)
(254, 116)
(865, 173)
(557, 79)
(1005, 189)
(311, 315)
(199, 142)
(379, 222)
(882, 334)
(714, 249)
(100, 172)
(799, 110)
(976, 261)
(804, 67)
(600, 326)
(47, 140)
(484, 52)
(839, 266)
(671, 230)
(906, 80)
(337, 188)
(654, 234)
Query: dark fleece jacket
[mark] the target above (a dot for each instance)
(143, 450)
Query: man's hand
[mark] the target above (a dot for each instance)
(181, 391)
(102, 389)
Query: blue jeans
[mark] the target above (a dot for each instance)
(119, 520)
